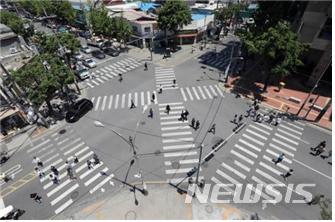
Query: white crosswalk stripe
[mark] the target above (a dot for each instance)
(189, 93)
(195, 93)
(256, 134)
(242, 157)
(246, 151)
(253, 139)
(241, 175)
(290, 129)
(201, 92)
(287, 139)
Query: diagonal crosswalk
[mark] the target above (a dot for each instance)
(164, 78)
(201, 92)
(62, 148)
(106, 73)
(178, 143)
(254, 152)
(123, 101)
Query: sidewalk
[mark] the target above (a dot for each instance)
(284, 99)
(163, 202)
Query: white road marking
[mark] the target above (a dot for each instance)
(64, 194)
(271, 178)
(175, 154)
(202, 92)
(281, 150)
(70, 144)
(176, 134)
(259, 129)
(290, 129)
(97, 104)
(74, 148)
(284, 144)
(231, 169)
(301, 163)
(129, 100)
(95, 177)
(287, 139)
(195, 93)
(285, 168)
(171, 112)
(81, 151)
(58, 187)
(208, 93)
(123, 101)
(175, 171)
(95, 82)
(148, 98)
(183, 94)
(213, 91)
(219, 90)
(169, 117)
(227, 177)
(142, 98)
(103, 103)
(189, 93)
(87, 172)
(172, 108)
(252, 139)
(110, 102)
(246, 151)
(99, 80)
(277, 154)
(242, 157)
(256, 134)
(295, 126)
(259, 181)
(108, 178)
(116, 101)
(241, 165)
(38, 145)
(173, 122)
(171, 104)
(63, 206)
(189, 161)
(135, 100)
(175, 127)
(270, 168)
(263, 125)
(187, 139)
(185, 146)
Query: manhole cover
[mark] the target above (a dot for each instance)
(209, 209)
(130, 215)
(175, 165)
(157, 152)
(62, 131)
(74, 194)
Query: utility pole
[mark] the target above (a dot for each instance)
(324, 110)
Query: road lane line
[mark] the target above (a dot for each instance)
(129, 100)
(63, 206)
(116, 101)
(58, 187)
(290, 129)
(108, 178)
(212, 89)
(175, 128)
(142, 98)
(74, 148)
(176, 134)
(285, 168)
(182, 154)
(297, 127)
(246, 151)
(254, 140)
(270, 168)
(287, 139)
(219, 90)
(301, 163)
(87, 172)
(256, 134)
(175, 171)
(208, 93)
(136, 104)
(263, 125)
(38, 145)
(241, 165)
(171, 104)
(187, 139)
(281, 150)
(95, 177)
(189, 93)
(103, 103)
(97, 103)
(284, 144)
(242, 157)
(172, 122)
(259, 129)
(227, 177)
(289, 134)
(175, 147)
(169, 117)
(195, 93)
(241, 175)
(123, 100)
(277, 154)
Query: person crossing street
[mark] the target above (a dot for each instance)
(132, 106)
(153, 98)
(151, 113)
(287, 174)
(212, 129)
(279, 159)
(145, 66)
(167, 109)
(193, 123)
(197, 125)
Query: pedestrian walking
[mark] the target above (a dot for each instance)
(327, 156)
(38, 161)
(132, 104)
(193, 123)
(120, 77)
(319, 150)
(186, 113)
(37, 198)
(145, 66)
(153, 98)
(54, 170)
(160, 91)
(235, 119)
(75, 160)
(322, 144)
(249, 110)
(279, 159)
(151, 113)
(39, 172)
(197, 125)
(54, 178)
(182, 116)
(316, 200)
(174, 82)
(89, 164)
(96, 159)
(167, 109)
(278, 120)
(240, 118)
(212, 129)
(70, 173)
(287, 174)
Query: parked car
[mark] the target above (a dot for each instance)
(96, 42)
(111, 52)
(82, 73)
(78, 56)
(85, 34)
(86, 49)
(98, 54)
(90, 63)
(78, 110)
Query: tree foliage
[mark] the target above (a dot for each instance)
(41, 83)
(326, 209)
(278, 46)
(102, 24)
(50, 43)
(174, 15)
(17, 24)
(61, 8)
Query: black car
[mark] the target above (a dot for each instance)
(111, 52)
(98, 54)
(78, 109)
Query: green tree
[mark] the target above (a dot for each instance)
(174, 15)
(225, 15)
(17, 24)
(278, 47)
(122, 29)
(100, 22)
(40, 82)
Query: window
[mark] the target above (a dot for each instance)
(147, 29)
(326, 31)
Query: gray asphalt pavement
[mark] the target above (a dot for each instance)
(168, 148)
